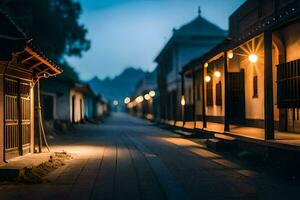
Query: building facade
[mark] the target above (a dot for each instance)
(21, 68)
(251, 79)
(186, 43)
(144, 100)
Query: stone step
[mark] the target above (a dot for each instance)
(184, 133)
(11, 170)
(221, 142)
(224, 137)
(9, 174)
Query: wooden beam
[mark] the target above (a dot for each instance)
(26, 59)
(35, 65)
(44, 71)
(40, 58)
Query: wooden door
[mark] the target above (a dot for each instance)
(236, 85)
(17, 117)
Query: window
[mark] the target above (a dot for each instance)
(219, 94)
(209, 94)
(255, 95)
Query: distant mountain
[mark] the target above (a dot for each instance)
(118, 87)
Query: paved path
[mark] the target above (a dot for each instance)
(128, 158)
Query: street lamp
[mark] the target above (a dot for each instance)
(127, 100)
(115, 102)
(139, 99)
(147, 97)
(152, 93)
(182, 101)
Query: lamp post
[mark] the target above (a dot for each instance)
(182, 101)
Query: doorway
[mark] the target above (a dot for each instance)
(236, 85)
(73, 109)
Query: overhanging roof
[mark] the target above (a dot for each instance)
(14, 42)
(35, 61)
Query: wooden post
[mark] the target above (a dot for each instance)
(268, 87)
(194, 98)
(19, 110)
(2, 119)
(32, 119)
(203, 98)
(38, 109)
(226, 96)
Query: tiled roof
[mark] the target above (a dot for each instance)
(200, 27)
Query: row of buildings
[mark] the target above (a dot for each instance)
(22, 69)
(244, 81)
(65, 102)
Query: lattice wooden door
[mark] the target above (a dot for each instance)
(17, 115)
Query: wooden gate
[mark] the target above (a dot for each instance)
(17, 117)
(236, 96)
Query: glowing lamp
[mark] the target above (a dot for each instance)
(207, 78)
(206, 65)
(139, 99)
(152, 93)
(230, 54)
(147, 97)
(115, 102)
(127, 100)
(253, 58)
(217, 74)
(182, 101)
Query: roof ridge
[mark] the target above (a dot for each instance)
(197, 22)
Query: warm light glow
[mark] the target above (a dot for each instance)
(207, 78)
(139, 99)
(147, 97)
(182, 101)
(217, 74)
(115, 102)
(152, 93)
(253, 58)
(206, 65)
(230, 54)
(127, 100)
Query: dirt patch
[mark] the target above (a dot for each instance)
(35, 174)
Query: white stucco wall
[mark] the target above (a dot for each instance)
(79, 99)
(215, 110)
(292, 41)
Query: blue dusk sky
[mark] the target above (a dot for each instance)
(132, 32)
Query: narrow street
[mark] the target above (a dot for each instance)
(129, 158)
